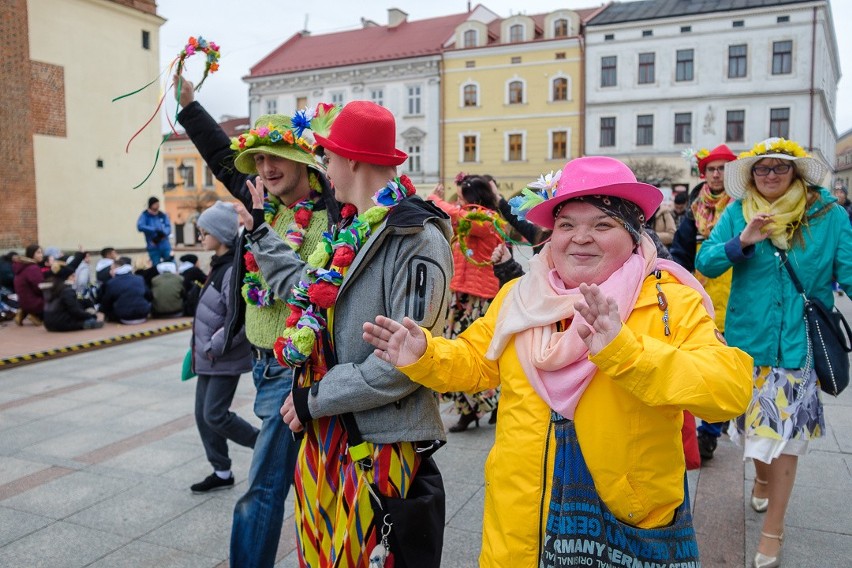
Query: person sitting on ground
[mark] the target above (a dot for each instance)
(63, 309)
(82, 274)
(7, 275)
(218, 359)
(28, 279)
(193, 281)
(599, 348)
(103, 269)
(126, 299)
(167, 292)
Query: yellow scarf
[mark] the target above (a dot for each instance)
(787, 211)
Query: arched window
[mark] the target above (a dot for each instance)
(516, 33)
(560, 28)
(516, 92)
(470, 96)
(469, 38)
(560, 89)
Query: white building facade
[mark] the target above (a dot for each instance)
(659, 83)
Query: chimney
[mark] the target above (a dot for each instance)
(396, 17)
(365, 23)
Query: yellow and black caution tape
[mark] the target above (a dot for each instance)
(16, 360)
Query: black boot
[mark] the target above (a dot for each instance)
(493, 418)
(464, 422)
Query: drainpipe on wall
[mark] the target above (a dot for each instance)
(581, 39)
(441, 141)
(813, 65)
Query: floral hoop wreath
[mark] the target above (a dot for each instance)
(193, 46)
(310, 298)
(534, 193)
(481, 215)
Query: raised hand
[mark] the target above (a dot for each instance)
(438, 190)
(254, 218)
(500, 254)
(399, 344)
(186, 93)
(758, 229)
(601, 313)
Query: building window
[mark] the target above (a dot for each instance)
(647, 33)
(189, 179)
(608, 71)
(737, 61)
(646, 68)
(685, 29)
(337, 98)
(469, 148)
(516, 147)
(559, 145)
(560, 55)
(685, 68)
(146, 39)
(779, 123)
(471, 96)
(414, 100)
(414, 158)
(560, 89)
(735, 126)
(560, 28)
(609, 37)
(170, 177)
(645, 130)
(516, 33)
(515, 60)
(271, 106)
(208, 177)
(607, 131)
(516, 93)
(782, 57)
(738, 23)
(470, 64)
(683, 128)
(301, 102)
(469, 38)
(377, 96)
(783, 19)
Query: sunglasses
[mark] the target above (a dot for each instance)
(778, 170)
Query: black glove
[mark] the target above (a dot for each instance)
(158, 236)
(257, 218)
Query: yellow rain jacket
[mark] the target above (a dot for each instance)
(628, 420)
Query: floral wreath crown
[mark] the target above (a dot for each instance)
(779, 146)
(317, 120)
(210, 49)
(534, 193)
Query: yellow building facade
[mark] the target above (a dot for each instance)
(84, 178)
(512, 98)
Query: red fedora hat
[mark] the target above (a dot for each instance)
(365, 132)
(720, 152)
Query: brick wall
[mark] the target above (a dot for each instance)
(149, 6)
(18, 214)
(48, 98)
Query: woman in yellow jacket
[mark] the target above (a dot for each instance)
(599, 349)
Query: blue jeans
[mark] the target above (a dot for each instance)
(259, 514)
(160, 253)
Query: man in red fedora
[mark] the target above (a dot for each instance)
(368, 429)
(707, 201)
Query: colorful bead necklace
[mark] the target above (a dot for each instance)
(311, 297)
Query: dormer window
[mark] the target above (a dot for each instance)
(516, 33)
(560, 28)
(469, 38)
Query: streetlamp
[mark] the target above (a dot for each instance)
(183, 171)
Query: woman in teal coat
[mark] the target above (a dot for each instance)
(780, 207)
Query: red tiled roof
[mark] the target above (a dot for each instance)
(374, 43)
(585, 15)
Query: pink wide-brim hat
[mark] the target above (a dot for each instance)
(596, 175)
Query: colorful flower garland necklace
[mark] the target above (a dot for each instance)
(310, 297)
(254, 292)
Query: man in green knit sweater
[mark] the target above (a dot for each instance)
(299, 206)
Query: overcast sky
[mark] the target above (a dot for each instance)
(248, 31)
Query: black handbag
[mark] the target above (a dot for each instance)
(829, 342)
